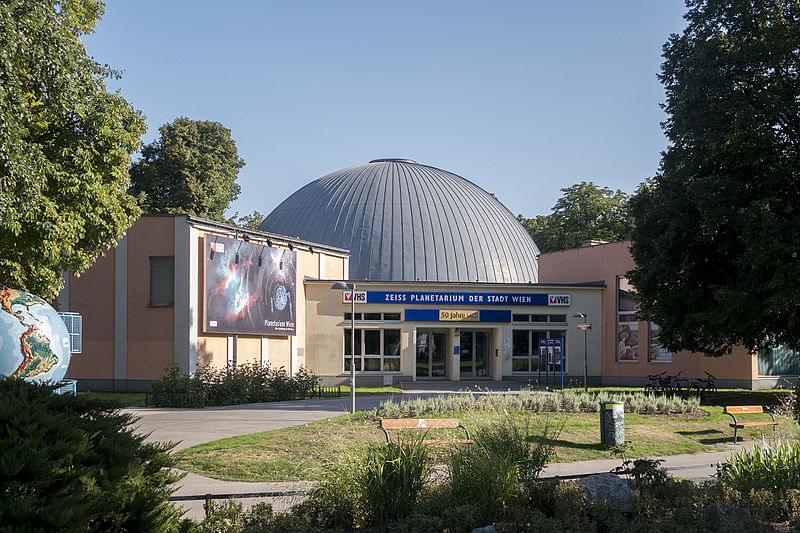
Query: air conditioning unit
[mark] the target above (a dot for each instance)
(74, 323)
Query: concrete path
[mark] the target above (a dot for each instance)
(188, 427)
(692, 466)
(191, 489)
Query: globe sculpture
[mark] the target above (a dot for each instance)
(34, 342)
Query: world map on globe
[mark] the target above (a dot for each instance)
(34, 342)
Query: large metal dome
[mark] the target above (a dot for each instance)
(403, 221)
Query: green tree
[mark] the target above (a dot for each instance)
(251, 221)
(65, 145)
(190, 169)
(717, 238)
(71, 463)
(584, 212)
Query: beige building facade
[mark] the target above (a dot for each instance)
(144, 303)
(630, 350)
(412, 331)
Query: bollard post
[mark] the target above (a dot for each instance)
(612, 424)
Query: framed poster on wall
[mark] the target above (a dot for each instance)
(249, 288)
(627, 325)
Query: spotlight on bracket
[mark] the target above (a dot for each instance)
(269, 243)
(213, 248)
(291, 246)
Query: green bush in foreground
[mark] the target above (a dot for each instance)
(768, 466)
(246, 383)
(660, 504)
(491, 474)
(73, 463)
(392, 479)
(537, 402)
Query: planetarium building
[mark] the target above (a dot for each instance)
(446, 288)
(446, 280)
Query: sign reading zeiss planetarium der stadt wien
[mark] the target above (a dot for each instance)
(462, 298)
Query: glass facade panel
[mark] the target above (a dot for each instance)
(391, 342)
(521, 345)
(391, 316)
(779, 361)
(538, 318)
(347, 342)
(372, 364)
(372, 316)
(391, 364)
(521, 318)
(372, 342)
(519, 364)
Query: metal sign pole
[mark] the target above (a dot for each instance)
(353, 349)
(561, 363)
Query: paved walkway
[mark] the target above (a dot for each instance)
(188, 427)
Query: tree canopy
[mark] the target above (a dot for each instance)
(584, 212)
(190, 169)
(717, 237)
(251, 221)
(65, 145)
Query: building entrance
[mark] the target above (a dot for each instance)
(431, 353)
(474, 354)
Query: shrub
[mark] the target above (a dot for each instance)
(246, 383)
(334, 503)
(768, 466)
(537, 402)
(499, 466)
(73, 462)
(230, 517)
(392, 479)
(795, 401)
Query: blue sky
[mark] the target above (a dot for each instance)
(523, 98)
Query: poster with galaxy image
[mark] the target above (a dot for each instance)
(250, 288)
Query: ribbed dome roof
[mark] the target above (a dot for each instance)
(403, 221)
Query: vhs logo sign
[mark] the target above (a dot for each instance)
(561, 300)
(361, 297)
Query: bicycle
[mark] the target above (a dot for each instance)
(655, 383)
(679, 385)
(701, 387)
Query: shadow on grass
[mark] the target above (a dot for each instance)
(700, 432)
(719, 438)
(561, 443)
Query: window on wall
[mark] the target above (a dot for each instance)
(374, 317)
(627, 326)
(162, 281)
(657, 353)
(377, 350)
(778, 361)
(525, 350)
(539, 318)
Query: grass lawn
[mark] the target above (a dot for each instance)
(127, 399)
(298, 452)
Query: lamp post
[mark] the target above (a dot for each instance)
(585, 327)
(341, 285)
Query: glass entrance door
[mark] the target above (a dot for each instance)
(431, 354)
(474, 354)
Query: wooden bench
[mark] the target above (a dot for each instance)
(734, 410)
(426, 424)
